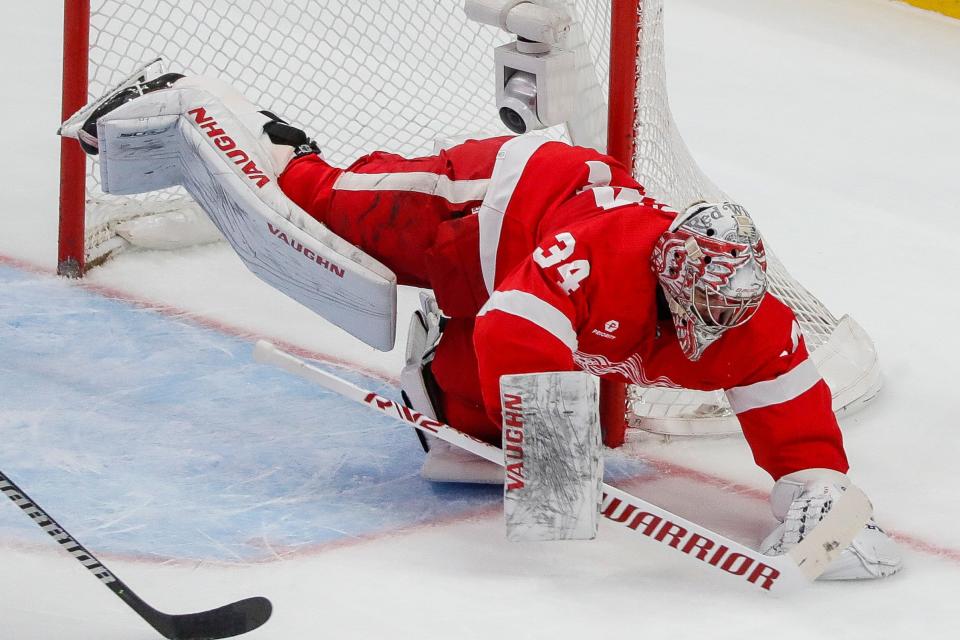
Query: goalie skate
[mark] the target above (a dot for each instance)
(82, 125)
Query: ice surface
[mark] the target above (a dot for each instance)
(133, 421)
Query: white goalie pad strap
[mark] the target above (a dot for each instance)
(187, 137)
(553, 456)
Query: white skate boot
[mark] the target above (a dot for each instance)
(800, 501)
(83, 124)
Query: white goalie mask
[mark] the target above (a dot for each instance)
(712, 267)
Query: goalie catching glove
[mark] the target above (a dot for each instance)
(801, 500)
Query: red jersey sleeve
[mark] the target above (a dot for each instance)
(529, 324)
(783, 404)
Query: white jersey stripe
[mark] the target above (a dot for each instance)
(784, 388)
(600, 174)
(530, 307)
(511, 161)
(434, 184)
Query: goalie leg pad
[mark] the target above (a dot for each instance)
(250, 116)
(553, 456)
(186, 136)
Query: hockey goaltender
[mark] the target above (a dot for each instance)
(542, 258)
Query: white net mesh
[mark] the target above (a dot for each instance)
(663, 164)
(358, 76)
(397, 75)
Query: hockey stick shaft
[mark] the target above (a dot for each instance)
(224, 622)
(769, 573)
(57, 532)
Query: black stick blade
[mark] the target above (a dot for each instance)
(223, 622)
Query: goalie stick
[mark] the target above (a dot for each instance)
(775, 574)
(223, 622)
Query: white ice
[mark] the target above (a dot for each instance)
(835, 122)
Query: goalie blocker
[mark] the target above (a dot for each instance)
(553, 456)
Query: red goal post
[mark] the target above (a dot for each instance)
(73, 162)
(622, 115)
(398, 75)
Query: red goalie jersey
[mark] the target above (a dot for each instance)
(540, 253)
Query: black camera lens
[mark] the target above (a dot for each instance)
(513, 120)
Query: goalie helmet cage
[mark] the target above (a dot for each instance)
(399, 75)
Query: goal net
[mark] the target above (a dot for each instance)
(399, 75)
(395, 75)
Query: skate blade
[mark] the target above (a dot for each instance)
(71, 126)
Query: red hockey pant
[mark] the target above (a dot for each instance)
(414, 215)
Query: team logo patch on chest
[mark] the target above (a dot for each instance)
(608, 330)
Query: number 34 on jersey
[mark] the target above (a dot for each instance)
(572, 272)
